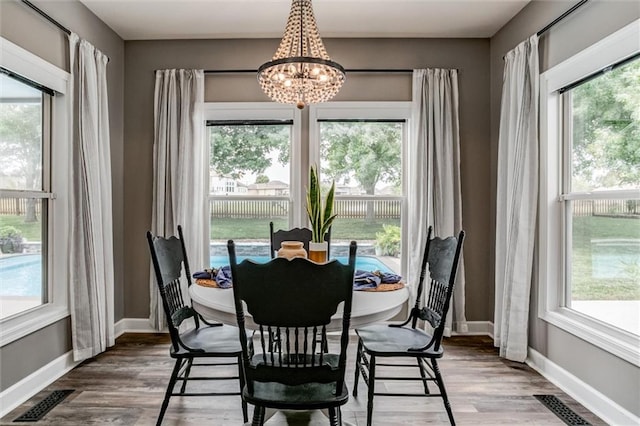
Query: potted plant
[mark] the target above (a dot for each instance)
(320, 216)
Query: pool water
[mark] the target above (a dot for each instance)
(364, 263)
(21, 275)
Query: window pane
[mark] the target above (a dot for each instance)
(365, 161)
(605, 261)
(22, 220)
(21, 257)
(249, 162)
(20, 135)
(606, 131)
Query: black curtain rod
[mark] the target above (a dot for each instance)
(355, 70)
(47, 17)
(561, 17)
(598, 73)
(247, 71)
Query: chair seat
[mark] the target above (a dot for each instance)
(219, 341)
(308, 396)
(382, 340)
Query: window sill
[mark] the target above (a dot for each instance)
(610, 339)
(29, 322)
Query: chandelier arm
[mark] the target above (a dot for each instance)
(301, 59)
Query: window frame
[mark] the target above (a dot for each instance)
(552, 260)
(36, 69)
(266, 111)
(393, 110)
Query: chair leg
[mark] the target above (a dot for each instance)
(372, 384)
(423, 375)
(258, 416)
(245, 414)
(169, 391)
(335, 416)
(440, 383)
(358, 364)
(187, 371)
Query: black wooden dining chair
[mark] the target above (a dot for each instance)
(440, 262)
(293, 300)
(205, 340)
(296, 234)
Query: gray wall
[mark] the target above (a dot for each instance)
(27, 29)
(614, 377)
(470, 56)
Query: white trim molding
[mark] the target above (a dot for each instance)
(21, 391)
(589, 397)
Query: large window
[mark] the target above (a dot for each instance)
(590, 193)
(258, 174)
(34, 164)
(24, 142)
(251, 178)
(361, 147)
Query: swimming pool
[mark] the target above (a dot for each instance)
(365, 263)
(21, 275)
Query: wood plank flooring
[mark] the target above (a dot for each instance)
(126, 384)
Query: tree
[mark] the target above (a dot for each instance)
(367, 152)
(606, 130)
(237, 150)
(21, 147)
(262, 179)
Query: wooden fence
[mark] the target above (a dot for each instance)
(606, 208)
(265, 209)
(384, 209)
(18, 206)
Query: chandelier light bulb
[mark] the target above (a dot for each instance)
(301, 72)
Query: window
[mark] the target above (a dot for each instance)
(251, 180)
(360, 147)
(590, 194)
(24, 129)
(33, 180)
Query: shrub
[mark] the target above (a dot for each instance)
(11, 240)
(388, 241)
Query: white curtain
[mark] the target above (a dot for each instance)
(91, 234)
(516, 198)
(179, 170)
(434, 175)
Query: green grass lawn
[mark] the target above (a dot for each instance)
(31, 231)
(258, 229)
(604, 247)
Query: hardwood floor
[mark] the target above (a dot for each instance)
(126, 384)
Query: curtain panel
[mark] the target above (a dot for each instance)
(91, 270)
(180, 159)
(434, 175)
(516, 199)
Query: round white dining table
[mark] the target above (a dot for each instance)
(367, 307)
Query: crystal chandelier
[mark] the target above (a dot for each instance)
(300, 71)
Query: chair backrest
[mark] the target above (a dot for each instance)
(169, 258)
(296, 234)
(440, 264)
(290, 301)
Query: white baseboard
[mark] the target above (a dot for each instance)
(589, 397)
(475, 328)
(20, 392)
(133, 325)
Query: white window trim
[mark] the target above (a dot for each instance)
(612, 49)
(24, 63)
(268, 111)
(400, 110)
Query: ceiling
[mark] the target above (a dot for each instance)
(204, 19)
